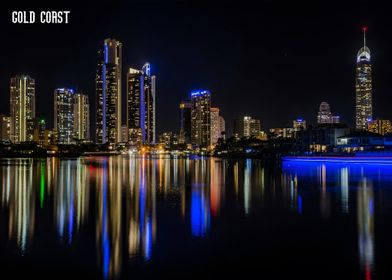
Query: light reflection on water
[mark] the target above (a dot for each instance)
(123, 198)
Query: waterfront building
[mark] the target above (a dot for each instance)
(141, 121)
(185, 122)
(363, 86)
(5, 124)
(201, 118)
(82, 117)
(247, 126)
(379, 126)
(39, 134)
(22, 108)
(360, 141)
(216, 125)
(108, 93)
(299, 124)
(64, 115)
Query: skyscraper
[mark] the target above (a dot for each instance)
(299, 124)
(39, 131)
(215, 129)
(363, 86)
(201, 121)
(82, 117)
(185, 122)
(5, 123)
(64, 115)
(380, 126)
(141, 106)
(22, 108)
(325, 116)
(108, 93)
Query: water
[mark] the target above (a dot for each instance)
(138, 218)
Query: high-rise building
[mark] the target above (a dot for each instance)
(325, 116)
(5, 124)
(222, 127)
(247, 126)
(82, 117)
(108, 93)
(363, 86)
(141, 106)
(215, 129)
(299, 124)
(185, 122)
(22, 108)
(380, 126)
(39, 131)
(64, 115)
(124, 133)
(201, 118)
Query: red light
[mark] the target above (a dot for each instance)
(364, 28)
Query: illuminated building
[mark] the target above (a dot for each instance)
(379, 126)
(360, 141)
(281, 132)
(201, 121)
(124, 134)
(168, 139)
(222, 127)
(22, 108)
(108, 92)
(185, 122)
(363, 86)
(5, 123)
(299, 124)
(141, 106)
(325, 115)
(64, 115)
(39, 131)
(216, 120)
(247, 126)
(82, 117)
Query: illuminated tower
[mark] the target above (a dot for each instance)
(325, 116)
(82, 117)
(363, 86)
(22, 108)
(215, 125)
(108, 93)
(201, 118)
(64, 115)
(141, 106)
(185, 122)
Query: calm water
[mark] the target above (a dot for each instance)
(130, 218)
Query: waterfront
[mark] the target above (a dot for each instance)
(125, 217)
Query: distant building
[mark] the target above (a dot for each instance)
(281, 132)
(325, 116)
(363, 86)
(82, 117)
(222, 127)
(64, 115)
(141, 106)
(320, 138)
(185, 122)
(22, 108)
(108, 92)
(201, 118)
(299, 124)
(124, 133)
(247, 126)
(5, 124)
(168, 139)
(40, 131)
(379, 126)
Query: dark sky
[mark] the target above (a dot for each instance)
(271, 60)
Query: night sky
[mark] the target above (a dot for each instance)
(273, 61)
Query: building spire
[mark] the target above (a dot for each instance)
(364, 35)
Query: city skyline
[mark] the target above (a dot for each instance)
(173, 85)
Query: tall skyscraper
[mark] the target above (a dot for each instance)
(64, 115)
(363, 86)
(39, 131)
(222, 127)
(22, 108)
(141, 106)
(247, 126)
(108, 93)
(185, 122)
(215, 131)
(201, 120)
(325, 116)
(82, 117)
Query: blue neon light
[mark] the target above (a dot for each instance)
(200, 216)
(299, 203)
(364, 160)
(300, 120)
(199, 93)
